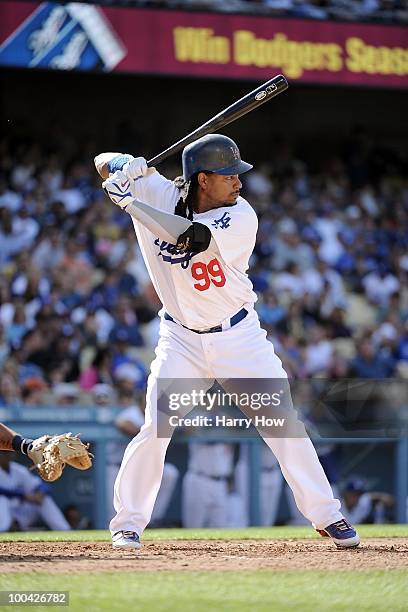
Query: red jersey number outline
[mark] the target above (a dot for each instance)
(206, 274)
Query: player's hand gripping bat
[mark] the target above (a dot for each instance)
(238, 109)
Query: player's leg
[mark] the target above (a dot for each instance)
(178, 356)
(296, 517)
(52, 515)
(270, 492)
(237, 515)
(167, 486)
(241, 477)
(195, 498)
(243, 352)
(111, 475)
(140, 473)
(218, 510)
(6, 517)
(26, 513)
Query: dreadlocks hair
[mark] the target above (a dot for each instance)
(185, 205)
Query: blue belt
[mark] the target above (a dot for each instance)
(218, 328)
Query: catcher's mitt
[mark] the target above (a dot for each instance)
(50, 454)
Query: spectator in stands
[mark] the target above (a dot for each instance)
(402, 347)
(4, 346)
(289, 281)
(360, 506)
(126, 326)
(24, 498)
(10, 393)
(71, 196)
(289, 248)
(49, 250)
(75, 519)
(104, 395)
(369, 364)
(66, 394)
(379, 285)
(269, 310)
(18, 326)
(130, 376)
(9, 199)
(314, 9)
(75, 267)
(318, 352)
(99, 371)
(34, 391)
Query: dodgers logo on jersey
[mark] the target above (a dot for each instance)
(223, 222)
(171, 255)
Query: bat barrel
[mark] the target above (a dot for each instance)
(241, 107)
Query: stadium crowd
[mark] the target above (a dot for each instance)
(388, 11)
(77, 308)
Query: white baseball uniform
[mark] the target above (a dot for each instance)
(115, 451)
(19, 478)
(361, 511)
(200, 292)
(205, 490)
(270, 484)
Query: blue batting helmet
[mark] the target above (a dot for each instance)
(213, 153)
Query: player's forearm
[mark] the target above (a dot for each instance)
(6, 437)
(166, 226)
(12, 441)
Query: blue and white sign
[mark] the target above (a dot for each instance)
(64, 37)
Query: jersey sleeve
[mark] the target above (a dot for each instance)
(233, 230)
(157, 191)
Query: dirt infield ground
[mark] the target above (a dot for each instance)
(79, 557)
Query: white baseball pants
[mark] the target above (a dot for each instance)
(270, 488)
(239, 352)
(167, 486)
(204, 501)
(26, 514)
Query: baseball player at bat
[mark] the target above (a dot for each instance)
(196, 235)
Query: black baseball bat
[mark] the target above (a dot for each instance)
(248, 103)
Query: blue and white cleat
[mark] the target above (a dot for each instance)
(126, 540)
(342, 534)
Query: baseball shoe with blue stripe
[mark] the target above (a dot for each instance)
(126, 540)
(342, 534)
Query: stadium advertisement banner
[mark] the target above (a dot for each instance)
(86, 37)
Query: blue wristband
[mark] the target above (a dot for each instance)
(117, 163)
(16, 442)
(20, 444)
